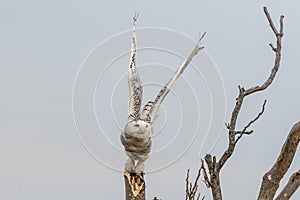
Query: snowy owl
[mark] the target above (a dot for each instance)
(136, 136)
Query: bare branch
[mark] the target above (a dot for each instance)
(187, 184)
(292, 185)
(277, 51)
(214, 166)
(257, 117)
(272, 178)
(281, 25)
(270, 20)
(244, 131)
(243, 93)
(196, 181)
(272, 47)
(206, 179)
(236, 110)
(191, 189)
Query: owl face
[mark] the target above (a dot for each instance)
(139, 129)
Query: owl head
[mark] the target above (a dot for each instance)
(139, 128)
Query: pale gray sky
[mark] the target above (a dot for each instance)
(44, 43)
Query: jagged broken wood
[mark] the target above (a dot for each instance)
(134, 186)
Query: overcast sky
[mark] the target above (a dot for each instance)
(44, 44)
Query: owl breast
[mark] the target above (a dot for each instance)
(136, 145)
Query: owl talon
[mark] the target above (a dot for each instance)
(130, 166)
(139, 169)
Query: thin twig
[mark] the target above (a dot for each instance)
(270, 21)
(251, 122)
(206, 179)
(272, 47)
(187, 184)
(191, 189)
(196, 180)
(244, 132)
(281, 25)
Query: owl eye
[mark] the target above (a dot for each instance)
(136, 125)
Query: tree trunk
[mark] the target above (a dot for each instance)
(272, 178)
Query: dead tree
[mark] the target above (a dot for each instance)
(211, 166)
(271, 179)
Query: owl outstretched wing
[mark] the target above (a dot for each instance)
(134, 83)
(166, 89)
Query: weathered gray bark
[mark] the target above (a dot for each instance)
(214, 177)
(272, 178)
(290, 188)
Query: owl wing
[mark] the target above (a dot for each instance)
(166, 89)
(134, 83)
